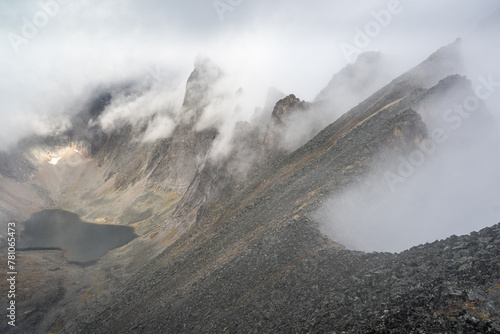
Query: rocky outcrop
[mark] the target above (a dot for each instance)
(199, 84)
(286, 107)
(284, 110)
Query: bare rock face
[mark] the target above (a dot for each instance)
(226, 246)
(284, 110)
(287, 106)
(198, 86)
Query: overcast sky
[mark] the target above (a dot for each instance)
(52, 55)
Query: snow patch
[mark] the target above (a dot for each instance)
(54, 161)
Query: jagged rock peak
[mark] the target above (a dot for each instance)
(205, 74)
(285, 107)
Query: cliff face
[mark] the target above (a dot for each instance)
(231, 244)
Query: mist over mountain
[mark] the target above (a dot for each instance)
(271, 167)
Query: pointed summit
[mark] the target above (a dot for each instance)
(203, 77)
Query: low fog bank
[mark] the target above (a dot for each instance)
(441, 199)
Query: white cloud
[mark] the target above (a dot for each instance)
(291, 45)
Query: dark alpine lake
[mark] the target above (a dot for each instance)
(83, 242)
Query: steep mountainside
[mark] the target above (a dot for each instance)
(231, 244)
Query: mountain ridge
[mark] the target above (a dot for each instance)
(224, 251)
